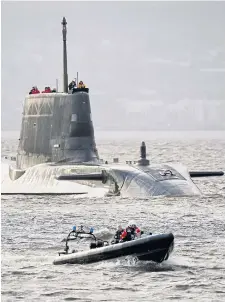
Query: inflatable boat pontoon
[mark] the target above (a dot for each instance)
(155, 248)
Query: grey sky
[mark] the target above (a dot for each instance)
(126, 52)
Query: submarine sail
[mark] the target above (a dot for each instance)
(57, 127)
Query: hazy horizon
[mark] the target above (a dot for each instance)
(149, 65)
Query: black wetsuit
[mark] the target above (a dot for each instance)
(117, 235)
(130, 234)
(72, 85)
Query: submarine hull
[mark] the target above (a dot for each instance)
(154, 244)
(123, 180)
(57, 141)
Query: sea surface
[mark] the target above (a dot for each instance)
(32, 230)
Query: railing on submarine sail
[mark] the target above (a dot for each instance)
(80, 89)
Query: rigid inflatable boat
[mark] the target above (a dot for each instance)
(155, 248)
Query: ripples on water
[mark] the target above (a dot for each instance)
(33, 228)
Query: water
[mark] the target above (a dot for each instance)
(33, 228)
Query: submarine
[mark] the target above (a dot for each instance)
(57, 153)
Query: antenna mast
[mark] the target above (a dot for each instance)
(65, 75)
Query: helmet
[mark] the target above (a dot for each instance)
(132, 224)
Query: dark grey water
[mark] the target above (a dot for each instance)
(33, 227)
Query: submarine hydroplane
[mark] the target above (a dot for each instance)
(57, 153)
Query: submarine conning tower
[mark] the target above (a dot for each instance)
(57, 127)
(143, 161)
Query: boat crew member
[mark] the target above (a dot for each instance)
(72, 85)
(34, 90)
(131, 232)
(47, 90)
(118, 234)
(81, 85)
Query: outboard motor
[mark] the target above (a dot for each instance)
(96, 244)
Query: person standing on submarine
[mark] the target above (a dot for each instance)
(72, 85)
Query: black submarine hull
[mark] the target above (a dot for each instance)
(155, 248)
(105, 179)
